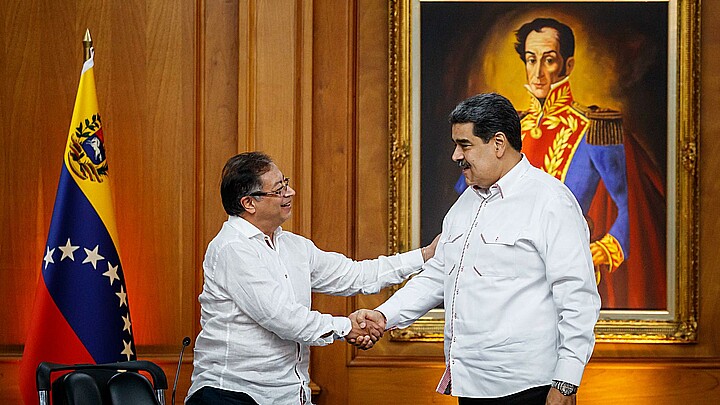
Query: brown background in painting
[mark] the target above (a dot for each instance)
(185, 84)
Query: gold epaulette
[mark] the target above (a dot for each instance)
(605, 125)
(522, 114)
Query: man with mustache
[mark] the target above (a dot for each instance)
(257, 325)
(513, 270)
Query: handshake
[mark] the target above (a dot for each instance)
(368, 327)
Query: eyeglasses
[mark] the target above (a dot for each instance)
(280, 192)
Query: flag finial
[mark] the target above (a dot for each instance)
(87, 44)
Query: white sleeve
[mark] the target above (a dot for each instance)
(333, 273)
(422, 293)
(570, 272)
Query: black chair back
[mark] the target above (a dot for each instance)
(130, 388)
(76, 388)
(99, 384)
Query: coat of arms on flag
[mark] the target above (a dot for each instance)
(87, 150)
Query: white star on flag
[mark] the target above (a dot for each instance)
(48, 256)
(127, 350)
(92, 257)
(122, 295)
(112, 273)
(126, 320)
(68, 250)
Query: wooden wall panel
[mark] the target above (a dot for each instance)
(635, 384)
(155, 138)
(246, 74)
(709, 165)
(333, 165)
(275, 93)
(23, 215)
(275, 75)
(218, 135)
(372, 125)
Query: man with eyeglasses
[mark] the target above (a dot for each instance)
(257, 325)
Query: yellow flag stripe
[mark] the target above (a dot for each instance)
(98, 193)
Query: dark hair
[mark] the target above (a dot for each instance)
(566, 38)
(241, 177)
(490, 113)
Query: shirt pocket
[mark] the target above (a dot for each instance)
(452, 246)
(497, 256)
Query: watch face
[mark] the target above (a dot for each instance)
(565, 388)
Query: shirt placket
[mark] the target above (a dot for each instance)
(275, 249)
(446, 382)
(303, 399)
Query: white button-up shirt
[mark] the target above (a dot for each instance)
(257, 325)
(515, 273)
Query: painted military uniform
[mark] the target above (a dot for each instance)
(581, 146)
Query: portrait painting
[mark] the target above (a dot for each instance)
(594, 85)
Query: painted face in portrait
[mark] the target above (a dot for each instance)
(544, 65)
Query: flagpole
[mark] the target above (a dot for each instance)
(87, 44)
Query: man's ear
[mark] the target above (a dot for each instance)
(569, 65)
(248, 204)
(500, 141)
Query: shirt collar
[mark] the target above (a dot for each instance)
(507, 183)
(247, 229)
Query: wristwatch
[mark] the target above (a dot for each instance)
(565, 388)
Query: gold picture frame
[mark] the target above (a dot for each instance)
(677, 322)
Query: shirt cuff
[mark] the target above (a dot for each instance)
(391, 316)
(569, 370)
(341, 326)
(412, 261)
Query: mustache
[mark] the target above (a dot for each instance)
(463, 164)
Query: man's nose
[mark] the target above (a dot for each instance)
(289, 192)
(537, 70)
(457, 154)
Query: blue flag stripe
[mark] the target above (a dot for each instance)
(85, 296)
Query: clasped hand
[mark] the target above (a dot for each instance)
(368, 327)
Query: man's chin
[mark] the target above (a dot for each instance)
(540, 92)
(468, 180)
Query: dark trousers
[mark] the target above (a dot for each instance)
(532, 396)
(216, 396)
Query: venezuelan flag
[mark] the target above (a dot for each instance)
(81, 312)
